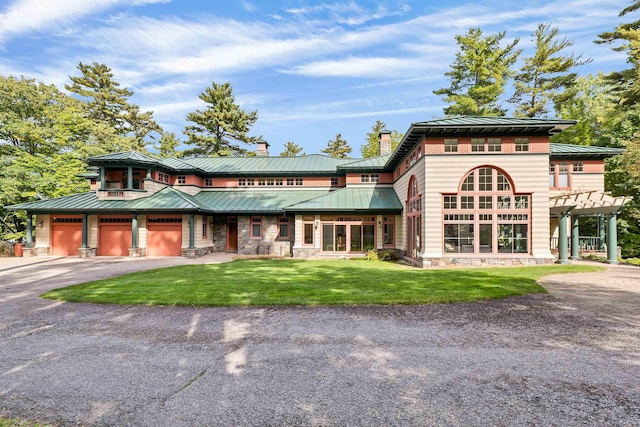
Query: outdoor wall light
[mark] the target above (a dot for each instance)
(41, 224)
(317, 224)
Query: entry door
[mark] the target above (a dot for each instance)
(232, 233)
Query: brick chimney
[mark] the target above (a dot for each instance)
(385, 143)
(263, 148)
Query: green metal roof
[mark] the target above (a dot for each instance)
(126, 155)
(371, 163)
(472, 126)
(581, 151)
(253, 201)
(350, 199)
(313, 164)
(165, 200)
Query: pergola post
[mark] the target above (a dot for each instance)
(192, 227)
(612, 239)
(601, 234)
(29, 242)
(575, 237)
(85, 231)
(103, 178)
(563, 241)
(130, 178)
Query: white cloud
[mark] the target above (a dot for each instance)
(379, 67)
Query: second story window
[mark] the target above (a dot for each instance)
(477, 144)
(522, 144)
(364, 178)
(334, 182)
(578, 166)
(450, 145)
(182, 179)
(375, 177)
(208, 182)
(299, 181)
(486, 145)
(494, 144)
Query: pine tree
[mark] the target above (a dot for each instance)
(372, 147)
(221, 126)
(291, 149)
(545, 77)
(479, 74)
(167, 145)
(337, 148)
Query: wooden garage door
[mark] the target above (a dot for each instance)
(164, 236)
(66, 236)
(115, 237)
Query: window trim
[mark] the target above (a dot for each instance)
(255, 220)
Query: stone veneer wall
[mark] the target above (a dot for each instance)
(268, 244)
(478, 262)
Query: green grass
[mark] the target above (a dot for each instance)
(298, 282)
(16, 422)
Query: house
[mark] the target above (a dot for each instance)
(459, 190)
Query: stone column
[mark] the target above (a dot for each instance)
(612, 239)
(575, 237)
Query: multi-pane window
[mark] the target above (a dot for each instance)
(205, 227)
(522, 144)
(256, 227)
(182, 179)
(279, 182)
(477, 144)
(450, 145)
(299, 181)
(578, 166)
(486, 216)
(334, 182)
(283, 227)
(307, 230)
(290, 181)
(375, 177)
(364, 178)
(389, 230)
(494, 144)
(163, 177)
(208, 182)
(262, 182)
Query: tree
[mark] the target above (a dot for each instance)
(291, 149)
(545, 77)
(372, 147)
(167, 145)
(479, 74)
(221, 126)
(105, 101)
(337, 147)
(626, 82)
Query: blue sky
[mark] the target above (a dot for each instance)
(311, 68)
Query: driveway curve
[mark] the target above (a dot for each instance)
(534, 360)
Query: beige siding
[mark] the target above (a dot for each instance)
(587, 182)
(93, 231)
(142, 231)
(529, 173)
(298, 234)
(401, 187)
(43, 234)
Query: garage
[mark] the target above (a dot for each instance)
(114, 237)
(164, 236)
(66, 235)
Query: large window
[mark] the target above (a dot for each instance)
(348, 234)
(559, 175)
(389, 230)
(414, 219)
(307, 230)
(256, 227)
(486, 216)
(283, 228)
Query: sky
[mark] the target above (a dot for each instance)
(311, 69)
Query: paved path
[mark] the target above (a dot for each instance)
(535, 360)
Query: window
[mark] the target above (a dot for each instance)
(494, 144)
(375, 177)
(388, 230)
(290, 181)
(256, 227)
(163, 177)
(208, 182)
(182, 179)
(205, 227)
(262, 182)
(278, 182)
(522, 144)
(242, 182)
(364, 178)
(477, 144)
(450, 145)
(334, 182)
(307, 230)
(501, 222)
(299, 181)
(414, 219)
(578, 166)
(283, 228)
(450, 202)
(271, 182)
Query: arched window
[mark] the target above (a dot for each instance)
(486, 216)
(414, 219)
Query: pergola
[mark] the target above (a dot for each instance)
(591, 203)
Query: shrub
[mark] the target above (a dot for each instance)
(6, 249)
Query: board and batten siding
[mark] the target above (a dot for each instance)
(444, 173)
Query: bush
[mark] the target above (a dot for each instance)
(6, 249)
(382, 255)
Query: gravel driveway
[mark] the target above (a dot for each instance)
(535, 360)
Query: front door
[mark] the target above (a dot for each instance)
(232, 233)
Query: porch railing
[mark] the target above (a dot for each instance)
(587, 243)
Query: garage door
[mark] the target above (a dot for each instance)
(164, 236)
(66, 236)
(115, 237)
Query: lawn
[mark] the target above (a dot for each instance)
(300, 282)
